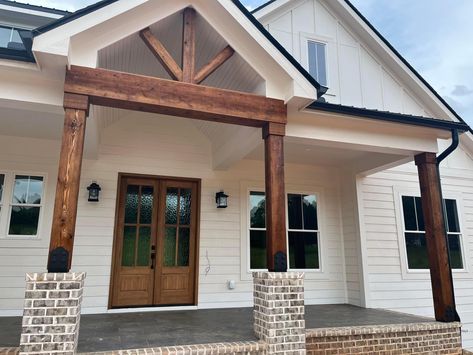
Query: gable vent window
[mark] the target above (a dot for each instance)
(414, 233)
(317, 55)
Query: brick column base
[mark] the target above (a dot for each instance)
(279, 311)
(52, 313)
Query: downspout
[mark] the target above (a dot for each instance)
(441, 157)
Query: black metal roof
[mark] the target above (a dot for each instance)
(389, 116)
(34, 7)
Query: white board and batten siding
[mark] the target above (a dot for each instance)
(356, 75)
(146, 144)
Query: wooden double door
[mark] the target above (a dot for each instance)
(155, 245)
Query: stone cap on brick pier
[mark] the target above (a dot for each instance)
(72, 276)
(278, 275)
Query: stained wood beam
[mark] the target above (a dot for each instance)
(149, 94)
(160, 52)
(276, 247)
(188, 46)
(436, 238)
(214, 64)
(68, 181)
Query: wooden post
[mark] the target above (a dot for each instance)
(273, 135)
(436, 238)
(68, 181)
(188, 46)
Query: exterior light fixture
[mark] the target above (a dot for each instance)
(94, 191)
(221, 199)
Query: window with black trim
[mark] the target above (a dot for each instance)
(414, 233)
(317, 56)
(26, 204)
(302, 231)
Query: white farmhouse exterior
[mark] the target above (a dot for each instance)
(358, 233)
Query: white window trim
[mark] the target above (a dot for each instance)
(424, 274)
(245, 189)
(9, 186)
(329, 43)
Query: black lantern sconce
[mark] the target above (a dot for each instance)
(94, 191)
(221, 199)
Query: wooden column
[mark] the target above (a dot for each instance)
(273, 135)
(188, 46)
(68, 181)
(436, 238)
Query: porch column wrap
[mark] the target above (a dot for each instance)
(436, 238)
(279, 311)
(273, 135)
(51, 313)
(68, 181)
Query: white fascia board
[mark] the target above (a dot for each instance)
(270, 8)
(30, 11)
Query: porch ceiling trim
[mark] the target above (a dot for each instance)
(390, 116)
(149, 94)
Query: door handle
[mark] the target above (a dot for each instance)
(153, 257)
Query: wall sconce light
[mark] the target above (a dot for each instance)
(221, 199)
(94, 191)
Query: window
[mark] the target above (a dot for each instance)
(414, 233)
(302, 232)
(2, 181)
(317, 55)
(25, 205)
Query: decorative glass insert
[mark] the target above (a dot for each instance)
(414, 233)
(26, 205)
(303, 231)
(139, 203)
(318, 61)
(177, 238)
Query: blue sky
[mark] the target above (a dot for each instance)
(435, 36)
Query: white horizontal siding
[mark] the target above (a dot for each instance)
(388, 286)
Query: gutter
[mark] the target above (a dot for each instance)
(441, 157)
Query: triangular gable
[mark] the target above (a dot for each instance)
(77, 38)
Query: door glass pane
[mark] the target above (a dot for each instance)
(171, 205)
(258, 249)
(24, 220)
(309, 206)
(144, 244)
(257, 210)
(183, 248)
(416, 251)
(185, 207)
(294, 205)
(170, 247)
(408, 207)
(131, 205)
(128, 251)
(452, 216)
(455, 250)
(303, 250)
(146, 208)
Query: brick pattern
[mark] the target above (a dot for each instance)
(52, 313)
(9, 351)
(417, 338)
(238, 348)
(279, 311)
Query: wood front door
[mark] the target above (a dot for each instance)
(155, 242)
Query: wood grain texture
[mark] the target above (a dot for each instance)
(214, 64)
(160, 52)
(436, 238)
(68, 182)
(149, 94)
(188, 46)
(275, 198)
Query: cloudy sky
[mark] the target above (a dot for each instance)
(435, 36)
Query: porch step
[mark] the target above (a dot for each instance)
(237, 348)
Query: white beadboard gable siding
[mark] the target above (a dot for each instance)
(390, 284)
(156, 145)
(356, 75)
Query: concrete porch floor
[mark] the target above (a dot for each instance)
(122, 331)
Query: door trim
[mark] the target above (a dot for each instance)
(121, 177)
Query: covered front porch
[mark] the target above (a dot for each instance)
(127, 331)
